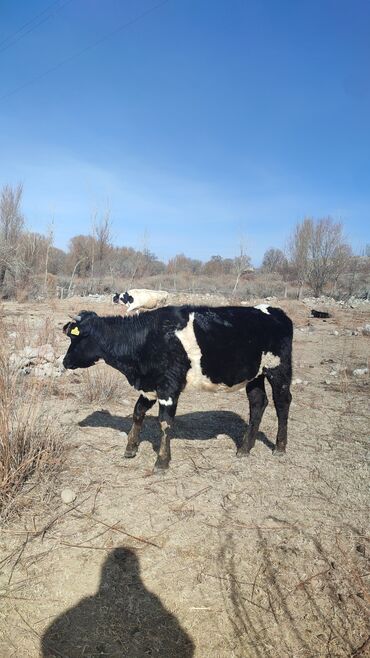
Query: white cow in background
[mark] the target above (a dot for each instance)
(140, 298)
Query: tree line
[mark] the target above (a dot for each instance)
(317, 254)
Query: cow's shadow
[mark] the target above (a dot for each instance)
(121, 620)
(194, 426)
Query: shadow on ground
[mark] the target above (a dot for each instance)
(122, 620)
(197, 426)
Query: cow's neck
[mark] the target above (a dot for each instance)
(120, 339)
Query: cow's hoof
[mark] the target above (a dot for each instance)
(161, 466)
(242, 452)
(278, 452)
(130, 453)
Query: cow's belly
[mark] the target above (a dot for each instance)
(195, 377)
(196, 380)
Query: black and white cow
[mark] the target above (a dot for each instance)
(140, 298)
(176, 347)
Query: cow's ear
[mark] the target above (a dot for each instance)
(80, 324)
(71, 329)
(76, 330)
(66, 327)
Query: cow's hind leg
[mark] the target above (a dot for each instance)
(257, 404)
(167, 411)
(280, 384)
(141, 407)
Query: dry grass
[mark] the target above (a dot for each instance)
(28, 332)
(30, 434)
(48, 332)
(270, 556)
(254, 285)
(101, 384)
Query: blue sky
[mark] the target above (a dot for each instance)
(201, 123)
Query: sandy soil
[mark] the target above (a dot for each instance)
(221, 557)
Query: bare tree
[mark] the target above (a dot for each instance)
(32, 252)
(328, 254)
(217, 266)
(341, 260)
(11, 226)
(80, 253)
(49, 243)
(57, 261)
(92, 250)
(274, 260)
(102, 234)
(73, 274)
(182, 263)
(319, 253)
(299, 246)
(242, 264)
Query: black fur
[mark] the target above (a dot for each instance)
(124, 298)
(146, 349)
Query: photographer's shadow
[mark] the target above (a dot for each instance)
(122, 620)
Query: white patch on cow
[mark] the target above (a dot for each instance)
(166, 403)
(195, 377)
(269, 360)
(149, 395)
(263, 308)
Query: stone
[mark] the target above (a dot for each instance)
(360, 372)
(46, 353)
(68, 496)
(44, 370)
(24, 358)
(29, 353)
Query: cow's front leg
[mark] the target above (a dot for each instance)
(141, 407)
(167, 411)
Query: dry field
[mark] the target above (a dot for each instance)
(220, 557)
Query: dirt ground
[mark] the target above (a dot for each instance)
(220, 557)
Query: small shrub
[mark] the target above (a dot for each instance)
(48, 332)
(101, 384)
(30, 434)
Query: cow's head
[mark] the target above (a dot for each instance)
(83, 351)
(123, 298)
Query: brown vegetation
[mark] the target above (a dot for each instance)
(30, 434)
(100, 384)
(318, 258)
(259, 557)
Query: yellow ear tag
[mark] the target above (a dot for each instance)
(75, 331)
